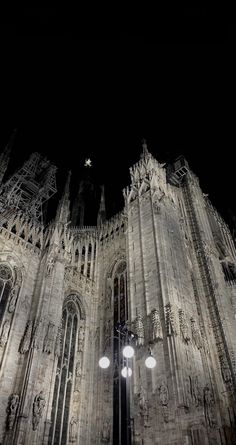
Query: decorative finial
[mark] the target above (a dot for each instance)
(63, 209)
(144, 145)
(67, 187)
(102, 209)
(88, 163)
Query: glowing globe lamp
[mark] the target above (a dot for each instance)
(126, 372)
(128, 351)
(104, 362)
(150, 362)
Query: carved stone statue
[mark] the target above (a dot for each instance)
(25, 343)
(13, 298)
(78, 369)
(156, 325)
(183, 326)
(139, 329)
(143, 406)
(106, 431)
(208, 406)
(164, 399)
(163, 394)
(188, 396)
(12, 410)
(73, 430)
(50, 265)
(5, 333)
(38, 407)
(81, 339)
(137, 438)
(25, 304)
(196, 394)
(49, 339)
(76, 395)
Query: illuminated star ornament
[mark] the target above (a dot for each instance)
(88, 163)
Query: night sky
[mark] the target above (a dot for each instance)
(94, 83)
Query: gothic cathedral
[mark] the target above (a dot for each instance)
(160, 275)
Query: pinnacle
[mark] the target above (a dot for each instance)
(145, 149)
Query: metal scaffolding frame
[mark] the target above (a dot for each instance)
(30, 187)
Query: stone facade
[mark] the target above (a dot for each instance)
(60, 287)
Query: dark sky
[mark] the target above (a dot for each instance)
(95, 83)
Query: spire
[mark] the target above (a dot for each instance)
(66, 195)
(102, 208)
(5, 155)
(79, 207)
(145, 149)
(63, 210)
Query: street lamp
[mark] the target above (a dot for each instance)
(104, 362)
(125, 339)
(128, 351)
(126, 372)
(150, 361)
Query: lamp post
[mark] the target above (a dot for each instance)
(126, 339)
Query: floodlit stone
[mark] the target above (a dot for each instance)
(164, 266)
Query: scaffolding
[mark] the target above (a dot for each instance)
(29, 188)
(205, 274)
(177, 170)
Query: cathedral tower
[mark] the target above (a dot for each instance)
(160, 274)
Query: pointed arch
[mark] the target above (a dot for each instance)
(117, 300)
(117, 258)
(73, 312)
(6, 283)
(10, 285)
(74, 296)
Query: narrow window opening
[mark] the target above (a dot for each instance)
(64, 377)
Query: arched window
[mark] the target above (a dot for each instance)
(6, 283)
(120, 294)
(64, 376)
(120, 406)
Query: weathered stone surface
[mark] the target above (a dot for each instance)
(166, 264)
